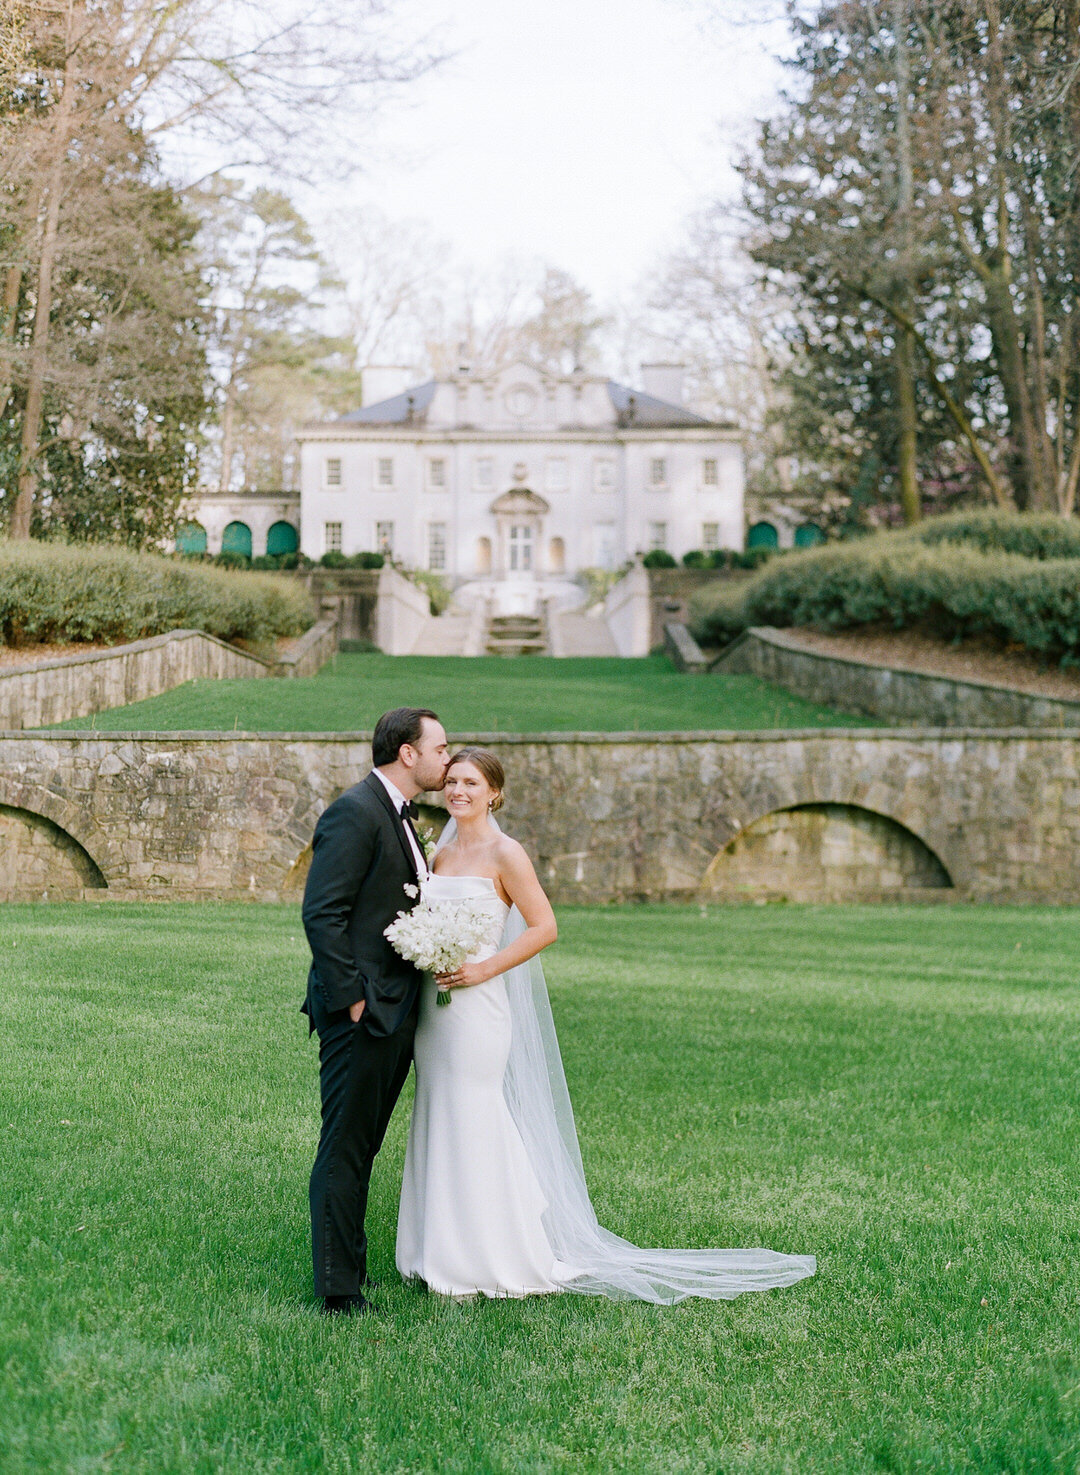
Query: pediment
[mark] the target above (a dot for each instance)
(520, 500)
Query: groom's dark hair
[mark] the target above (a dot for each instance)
(402, 725)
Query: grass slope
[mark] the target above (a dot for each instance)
(893, 1090)
(486, 694)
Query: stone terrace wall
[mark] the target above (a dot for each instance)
(75, 686)
(900, 697)
(606, 816)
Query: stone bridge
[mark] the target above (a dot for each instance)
(822, 815)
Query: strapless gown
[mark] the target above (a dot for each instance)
(470, 1218)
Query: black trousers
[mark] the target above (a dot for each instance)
(360, 1079)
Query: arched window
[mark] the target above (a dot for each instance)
(808, 535)
(282, 538)
(191, 539)
(557, 556)
(237, 539)
(483, 555)
(762, 535)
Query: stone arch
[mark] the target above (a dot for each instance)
(236, 539)
(827, 851)
(40, 861)
(282, 537)
(762, 535)
(191, 539)
(808, 535)
(104, 855)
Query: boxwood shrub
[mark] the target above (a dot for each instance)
(947, 584)
(58, 593)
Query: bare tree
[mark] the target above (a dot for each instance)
(86, 70)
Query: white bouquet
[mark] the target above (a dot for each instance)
(439, 935)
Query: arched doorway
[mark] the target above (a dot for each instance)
(762, 535)
(827, 852)
(237, 539)
(191, 539)
(808, 535)
(281, 538)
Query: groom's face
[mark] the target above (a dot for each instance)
(432, 756)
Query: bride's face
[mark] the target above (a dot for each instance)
(467, 791)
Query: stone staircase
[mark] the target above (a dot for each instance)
(445, 635)
(516, 635)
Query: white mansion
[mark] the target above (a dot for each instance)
(507, 483)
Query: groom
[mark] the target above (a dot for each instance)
(362, 997)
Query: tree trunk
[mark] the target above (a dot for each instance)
(9, 308)
(39, 350)
(908, 422)
(908, 441)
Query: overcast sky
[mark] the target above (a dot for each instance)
(579, 131)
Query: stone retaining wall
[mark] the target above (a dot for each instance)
(913, 815)
(895, 696)
(78, 685)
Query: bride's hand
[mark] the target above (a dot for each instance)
(465, 976)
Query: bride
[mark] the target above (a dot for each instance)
(494, 1200)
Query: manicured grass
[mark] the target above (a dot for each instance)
(893, 1090)
(487, 694)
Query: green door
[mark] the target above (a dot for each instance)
(282, 538)
(808, 535)
(762, 535)
(237, 539)
(191, 538)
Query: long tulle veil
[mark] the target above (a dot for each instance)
(594, 1261)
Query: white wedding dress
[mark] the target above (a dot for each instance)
(493, 1199)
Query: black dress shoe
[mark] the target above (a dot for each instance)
(345, 1306)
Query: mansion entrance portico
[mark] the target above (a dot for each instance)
(517, 565)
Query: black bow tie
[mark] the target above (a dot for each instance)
(409, 809)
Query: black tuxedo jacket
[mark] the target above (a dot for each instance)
(361, 863)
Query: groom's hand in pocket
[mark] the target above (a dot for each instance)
(356, 1010)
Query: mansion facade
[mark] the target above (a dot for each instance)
(507, 484)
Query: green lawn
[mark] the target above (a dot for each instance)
(895, 1090)
(487, 694)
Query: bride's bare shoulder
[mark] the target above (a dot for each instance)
(511, 853)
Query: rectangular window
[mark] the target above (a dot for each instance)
(556, 474)
(604, 474)
(384, 539)
(333, 471)
(657, 535)
(604, 545)
(709, 476)
(384, 471)
(658, 471)
(710, 536)
(437, 472)
(331, 537)
(436, 545)
(484, 473)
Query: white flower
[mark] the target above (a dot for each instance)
(439, 936)
(410, 890)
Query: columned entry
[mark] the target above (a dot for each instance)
(519, 522)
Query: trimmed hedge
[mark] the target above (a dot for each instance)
(1039, 535)
(57, 593)
(951, 588)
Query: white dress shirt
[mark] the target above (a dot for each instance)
(399, 801)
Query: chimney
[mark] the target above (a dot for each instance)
(383, 381)
(664, 381)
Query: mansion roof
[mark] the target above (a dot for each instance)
(617, 405)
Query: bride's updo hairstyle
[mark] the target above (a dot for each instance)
(485, 760)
